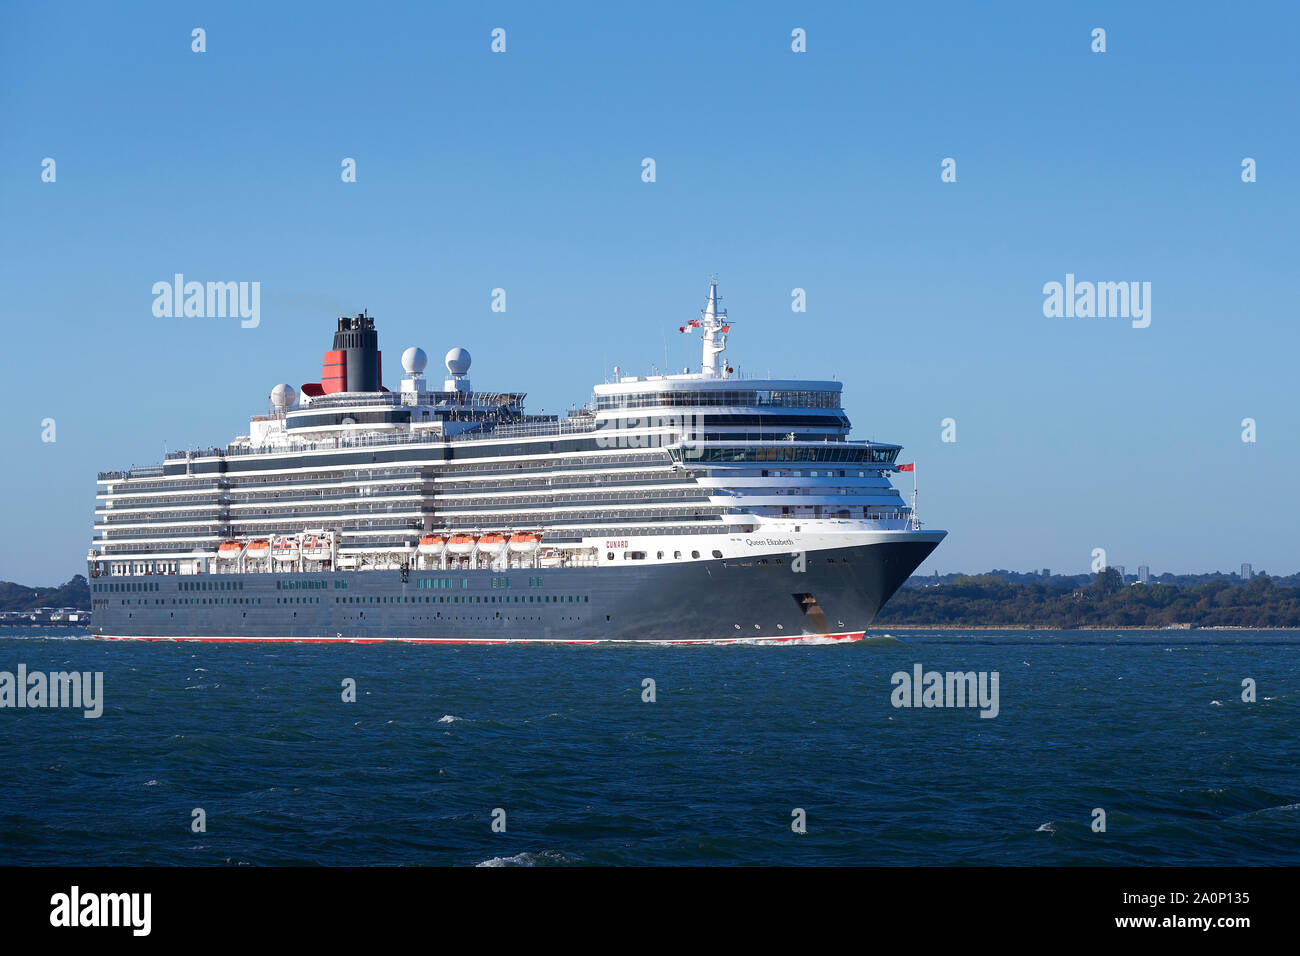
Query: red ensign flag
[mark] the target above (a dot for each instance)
(908, 467)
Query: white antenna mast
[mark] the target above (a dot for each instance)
(916, 520)
(714, 323)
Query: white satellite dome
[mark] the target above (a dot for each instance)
(458, 361)
(414, 360)
(282, 396)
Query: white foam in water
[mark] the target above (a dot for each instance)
(807, 640)
(447, 719)
(524, 859)
(1265, 810)
(62, 637)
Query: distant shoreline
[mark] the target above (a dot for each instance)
(1049, 627)
(44, 627)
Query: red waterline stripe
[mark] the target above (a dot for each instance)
(844, 636)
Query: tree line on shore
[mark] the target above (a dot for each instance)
(990, 600)
(986, 600)
(20, 597)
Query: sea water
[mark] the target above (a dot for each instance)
(615, 754)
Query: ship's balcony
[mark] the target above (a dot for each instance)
(142, 471)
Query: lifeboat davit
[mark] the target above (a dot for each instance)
(461, 543)
(229, 549)
(316, 548)
(259, 548)
(492, 543)
(525, 543)
(432, 544)
(284, 549)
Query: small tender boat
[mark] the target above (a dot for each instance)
(284, 549)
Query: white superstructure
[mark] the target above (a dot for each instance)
(654, 470)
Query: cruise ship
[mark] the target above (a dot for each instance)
(705, 506)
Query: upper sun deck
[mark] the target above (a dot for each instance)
(696, 390)
(351, 408)
(423, 398)
(716, 383)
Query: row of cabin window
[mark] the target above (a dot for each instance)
(462, 599)
(640, 555)
(471, 599)
(196, 601)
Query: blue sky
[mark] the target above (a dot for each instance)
(776, 170)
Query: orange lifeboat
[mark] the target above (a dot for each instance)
(229, 549)
(461, 543)
(432, 544)
(284, 549)
(492, 543)
(259, 548)
(525, 543)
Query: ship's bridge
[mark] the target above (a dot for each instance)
(691, 391)
(733, 409)
(715, 403)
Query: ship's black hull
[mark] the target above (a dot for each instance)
(828, 594)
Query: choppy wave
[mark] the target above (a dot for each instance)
(544, 858)
(291, 774)
(881, 640)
